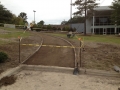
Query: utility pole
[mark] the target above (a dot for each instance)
(71, 13)
(34, 15)
(85, 19)
(71, 9)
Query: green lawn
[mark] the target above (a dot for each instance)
(96, 38)
(11, 33)
(8, 29)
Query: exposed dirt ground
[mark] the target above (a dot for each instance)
(96, 55)
(42, 80)
(53, 56)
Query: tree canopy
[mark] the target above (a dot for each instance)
(5, 15)
(83, 5)
(41, 23)
(63, 22)
(23, 15)
(115, 17)
(77, 19)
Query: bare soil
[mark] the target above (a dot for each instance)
(42, 80)
(53, 56)
(7, 80)
(96, 55)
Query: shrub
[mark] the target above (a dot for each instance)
(59, 28)
(3, 57)
(38, 30)
(54, 28)
(1, 24)
(49, 27)
(35, 26)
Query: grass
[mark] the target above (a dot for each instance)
(12, 33)
(8, 29)
(113, 39)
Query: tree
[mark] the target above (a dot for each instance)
(41, 23)
(115, 17)
(63, 22)
(76, 19)
(83, 7)
(5, 15)
(23, 15)
(17, 20)
(49, 27)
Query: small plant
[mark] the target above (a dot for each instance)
(3, 57)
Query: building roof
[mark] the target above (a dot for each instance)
(101, 11)
(102, 8)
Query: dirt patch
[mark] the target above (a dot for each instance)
(12, 49)
(1, 71)
(42, 80)
(96, 55)
(7, 80)
(53, 56)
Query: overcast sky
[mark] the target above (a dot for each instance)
(50, 11)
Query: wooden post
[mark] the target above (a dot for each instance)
(80, 54)
(19, 50)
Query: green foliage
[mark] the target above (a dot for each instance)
(43, 27)
(23, 15)
(115, 17)
(66, 28)
(76, 19)
(18, 21)
(5, 15)
(59, 28)
(84, 4)
(54, 28)
(63, 22)
(3, 57)
(35, 26)
(41, 23)
(19, 26)
(1, 24)
(49, 27)
(63, 29)
(38, 30)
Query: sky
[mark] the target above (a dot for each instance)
(50, 11)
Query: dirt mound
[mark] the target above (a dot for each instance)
(7, 80)
(1, 71)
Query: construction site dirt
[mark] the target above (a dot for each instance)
(97, 55)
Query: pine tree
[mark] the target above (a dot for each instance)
(115, 17)
(83, 6)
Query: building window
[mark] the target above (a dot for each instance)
(102, 21)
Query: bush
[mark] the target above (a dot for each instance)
(59, 28)
(3, 57)
(38, 30)
(54, 28)
(49, 27)
(1, 24)
(35, 26)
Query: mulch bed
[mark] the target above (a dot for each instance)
(7, 80)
